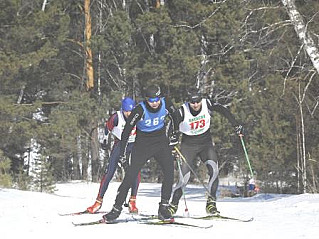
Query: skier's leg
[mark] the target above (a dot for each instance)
(110, 171)
(184, 176)
(212, 165)
(164, 158)
(107, 177)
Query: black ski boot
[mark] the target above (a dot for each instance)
(113, 214)
(211, 208)
(163, 211)
(173, 208)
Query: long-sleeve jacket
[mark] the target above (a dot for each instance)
(137, 115)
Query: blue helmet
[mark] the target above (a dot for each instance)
(128, 104)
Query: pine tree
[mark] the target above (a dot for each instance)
(5, 177)
(42, 175)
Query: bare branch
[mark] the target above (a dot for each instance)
(301, 30)
(291, 67)
(203, 21)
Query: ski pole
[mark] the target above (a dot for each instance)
(192, 170)
(180, 171)
(246, 154)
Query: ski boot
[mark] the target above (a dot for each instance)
(173, 208)
(113, 214)
(96, 206)
(211, 208)
(132, 205)
(164, 213)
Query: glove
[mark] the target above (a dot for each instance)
(239, 129)
(173, 140)
(104, 145)
(175, 154)
(123, 162)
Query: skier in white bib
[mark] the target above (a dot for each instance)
(115, 125)
(196, 142)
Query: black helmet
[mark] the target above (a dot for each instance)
(153, 93)
(194, 95)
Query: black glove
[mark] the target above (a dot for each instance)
(104, 145)
(173, 139)
(239, 129)
(123, 162)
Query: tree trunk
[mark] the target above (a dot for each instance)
(302, 151)
(313, 53)
(298, 152)
(43, 5)
(95, 152)
(301, 30)
(77, 160)
(85, 160)
(88, 51)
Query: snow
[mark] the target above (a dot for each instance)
(25, 214)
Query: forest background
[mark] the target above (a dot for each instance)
(65, 65)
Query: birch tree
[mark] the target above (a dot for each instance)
(302, 33)
(313, 53)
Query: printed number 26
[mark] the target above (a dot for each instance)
(155, 121)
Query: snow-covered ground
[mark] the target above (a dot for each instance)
(36, 215)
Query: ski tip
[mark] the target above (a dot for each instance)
(101, 221)
(75, 224)
(73, 213)
(207, 227)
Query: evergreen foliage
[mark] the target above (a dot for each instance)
(42, 175)
(243, 54)
(5, 177)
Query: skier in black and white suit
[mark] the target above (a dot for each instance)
(197, 142)
(151, 142)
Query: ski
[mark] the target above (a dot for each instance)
(173, 222)
(101, 221)
(143, 220)
(153, 220)
(207, 217)
(212, 217)
(144, 217)
(80, 213)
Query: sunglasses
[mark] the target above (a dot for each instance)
(195, 101)
(152, 100)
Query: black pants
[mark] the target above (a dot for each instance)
(207, 155)
(144, 149)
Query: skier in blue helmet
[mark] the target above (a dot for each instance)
(128, 104)
(115, 124)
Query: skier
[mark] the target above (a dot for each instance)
(252, 187)
(115, 124)
(151, 142)
(195, 116)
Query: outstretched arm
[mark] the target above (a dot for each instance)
(213, 106)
